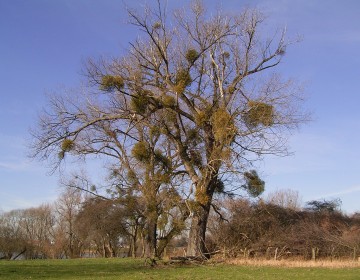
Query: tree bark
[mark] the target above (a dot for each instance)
(197, 235)
(196, 244)
(314, 253)
(151, 239)
(133, 239)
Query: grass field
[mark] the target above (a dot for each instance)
(136, 269)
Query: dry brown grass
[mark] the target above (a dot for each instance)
(296, 263)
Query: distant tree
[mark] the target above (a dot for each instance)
(195, 98)
(352, 236)
(324, 205)
(285, 198)
(100, 221)
(12, 239)
(38, 227)
(67, 208)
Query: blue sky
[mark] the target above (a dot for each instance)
(43, 42)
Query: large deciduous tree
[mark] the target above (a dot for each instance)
(194, 101)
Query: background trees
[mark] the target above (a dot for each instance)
(265, 230)
(37, 226)
(240, 228)
(12, 240)
(28, 232)
(100, 223)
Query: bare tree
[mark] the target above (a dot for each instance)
(38, 226)
(324, 205)
(285, 198)
(67, 207)
(196, 95)
(12, 240)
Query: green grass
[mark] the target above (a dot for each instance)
(136, 269)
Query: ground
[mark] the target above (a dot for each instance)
(128, 268)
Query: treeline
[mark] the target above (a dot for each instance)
(77, 225)
(267, 230)
(74, 226)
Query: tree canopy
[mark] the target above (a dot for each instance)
(191, 105)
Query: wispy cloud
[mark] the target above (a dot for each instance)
(10, 201)
(13, 153)
(19, 203)
(15, 166)
(339, 193)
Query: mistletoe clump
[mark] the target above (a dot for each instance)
(110, 83)
(254, 185)
(182, 80)
(223, 125)
(168, 101)
(191, 55)
(66, 146)
(139, 102)
(141, 151)
(162, 159)
(259, 113)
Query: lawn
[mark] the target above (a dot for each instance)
(137, 269)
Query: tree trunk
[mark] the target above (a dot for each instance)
(133, 241)
(276, 253)
(196, 243)
(103, 250)
(354, 253)
(314, 253)
(151, 239)
(142, 244)
(109, 250)
(133, 247)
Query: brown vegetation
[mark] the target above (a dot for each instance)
(241, 231)
(267, 231)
